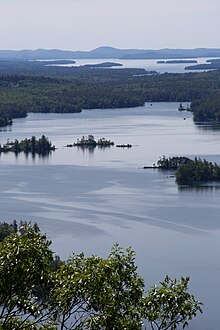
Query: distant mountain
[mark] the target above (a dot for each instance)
(108, 52)
(38, 54)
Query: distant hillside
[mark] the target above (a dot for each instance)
(108, 52)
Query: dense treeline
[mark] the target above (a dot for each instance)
(38, 291)
(41, 146)
(10, 110)
(34, 87)
(197, 171)
(172, 162)
(207, 109)
(190, 171)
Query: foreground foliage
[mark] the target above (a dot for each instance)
(170, 304)
(83, 292)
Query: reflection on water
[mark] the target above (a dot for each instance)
(32, 155)
(6, 129)
(200, 188)
(156, 130)
(33, 158)
(91, 149)
(208, 126)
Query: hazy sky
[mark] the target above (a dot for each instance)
(87, 24)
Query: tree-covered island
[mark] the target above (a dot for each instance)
(177, 61)
(189, 171)
(33, 145)
(103, 65)
(197, 171)
(90, 142)
(171, 163)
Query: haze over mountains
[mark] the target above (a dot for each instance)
(109, 52)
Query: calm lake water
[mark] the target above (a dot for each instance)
(144, 64)
(86, 200)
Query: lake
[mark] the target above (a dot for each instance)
(147, 64)
(86, 200)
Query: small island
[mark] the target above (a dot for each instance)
(41, 146)
(103, 65)
(177, 62)
(124, 145)
(90, 142)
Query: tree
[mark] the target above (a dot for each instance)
(6, 229)
(40, 292)
(24, 278)
(99, 293)
(169, 305)
(33, 144)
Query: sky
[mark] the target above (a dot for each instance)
(87, 24)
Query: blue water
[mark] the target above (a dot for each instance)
(88, 200)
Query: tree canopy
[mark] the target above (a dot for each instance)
(38, 291)
(33, 145)
(197, 171)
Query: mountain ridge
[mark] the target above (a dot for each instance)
(105, 52)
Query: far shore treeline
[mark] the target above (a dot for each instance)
(30, 86)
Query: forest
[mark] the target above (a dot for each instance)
(33, 87)
(39, 291)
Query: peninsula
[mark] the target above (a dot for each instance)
(209, 65)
